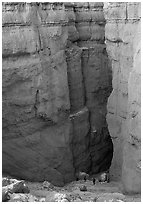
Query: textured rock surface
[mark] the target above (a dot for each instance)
(36, 128)
(96, 76)
(122, 34)
(56, 81)
(131, 171)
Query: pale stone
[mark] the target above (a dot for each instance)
(123, 118)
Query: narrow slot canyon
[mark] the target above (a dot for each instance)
(71, 91)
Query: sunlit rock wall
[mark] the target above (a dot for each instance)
(122, 35)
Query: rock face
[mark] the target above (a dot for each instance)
(56, 82)
(122, 35)
(36, 106)
(96, 77)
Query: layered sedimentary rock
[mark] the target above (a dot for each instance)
(122, 35)
(56, 81)
(89, 78)
(131, 169)
(96, 72)
(36, 125)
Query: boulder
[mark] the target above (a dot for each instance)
(16, 187)
(56, 197)
(83, 188)
(5, 195)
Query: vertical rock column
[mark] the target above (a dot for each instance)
(89, 79)
(122, 33)
(79, 113)
(96, 73)
(131, 169)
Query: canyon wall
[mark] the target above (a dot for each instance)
(91, 81)
(56, 82)
(123, 41)
(36, 105)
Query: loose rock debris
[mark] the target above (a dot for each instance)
(14, 190)
(12, 186)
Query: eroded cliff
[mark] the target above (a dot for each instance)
(56, 82)
(122, 35)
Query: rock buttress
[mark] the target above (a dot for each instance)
(89, 78)
(122, 35)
